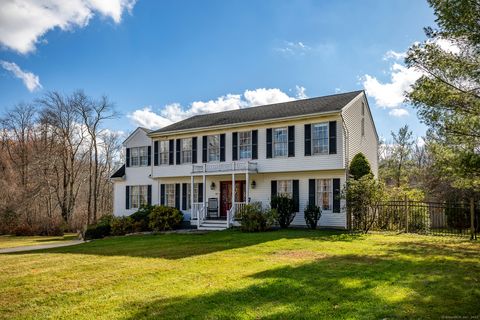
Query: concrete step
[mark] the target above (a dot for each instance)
(212, 228)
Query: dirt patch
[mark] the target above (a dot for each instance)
(298, 255)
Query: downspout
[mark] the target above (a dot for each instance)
(346, 162)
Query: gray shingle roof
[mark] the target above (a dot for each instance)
(119, 173)
(323, 104)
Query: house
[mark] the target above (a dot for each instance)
(209, 166)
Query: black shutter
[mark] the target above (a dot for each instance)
(184, 196)
(171, 146)
(200, 192)
(234, 146)
(336, 195)
(194, 150)
(127, 160)
(296, 195)
(311, 191)
(162, 194)
(149, 194)
(204, 148)
(273, 188)
(127, 197)
(254, 144)
(291, 141)
(155, 153)
(177, 196)
(269, 143)
(308, 140)
(178, 151)
(149, 159)
(222, 147)
(332, 132)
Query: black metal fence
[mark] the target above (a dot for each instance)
(418, 217)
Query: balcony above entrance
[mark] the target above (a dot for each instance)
(224, 167)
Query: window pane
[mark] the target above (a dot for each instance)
(280, 142)
(214, 148)
(245, 144)
(170, 195)
(320, 138)
(284, 187)
(186, 150)
(163, 156)
(324, 194)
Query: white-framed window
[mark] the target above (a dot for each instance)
(195, 195)
(163, 152)
(139, 157)
(280, 142)
(324, 195)
(213, 148)
(170, 195)
(138, 196)
(285, 187)
(245, 145)
(186, 150)
(320, 138)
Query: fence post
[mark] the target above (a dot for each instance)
(405, 201)
(472, 218)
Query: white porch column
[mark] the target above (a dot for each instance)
(247, 185)
(191, 198)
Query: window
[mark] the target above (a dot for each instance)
(138, 196)
(170, 195)
(187, 150)
(324, 194)
(245, 144)
(284, 187)
(320, 138)
(163, 155)
(139, 157)
(195, 195)
(363, 108)
(363, 127)
(213, 148)
(280, 142)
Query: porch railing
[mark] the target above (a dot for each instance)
(236, 166)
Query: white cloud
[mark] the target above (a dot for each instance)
(398, 112)
(293, 48)
(391, 54)
(447, 46)
(391, 94)
(30, 80)
(24, 22)
(174, 112)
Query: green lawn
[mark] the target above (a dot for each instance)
(13, 241)
(292, 274)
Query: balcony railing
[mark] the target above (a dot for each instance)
(236, 166)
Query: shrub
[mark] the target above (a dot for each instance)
(24, 230)
(97, 231)
(359, 166)
(165, 218)
(285, 207)
(141, 218)
(255, 219)
(121, 226)
(312, 214)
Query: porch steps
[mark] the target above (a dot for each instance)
(213, 225)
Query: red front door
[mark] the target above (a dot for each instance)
(226, 195)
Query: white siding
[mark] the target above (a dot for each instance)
(367, 144)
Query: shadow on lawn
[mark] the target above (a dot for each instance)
(350, 286)
(178, 246)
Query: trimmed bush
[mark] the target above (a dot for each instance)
(255, 219)
(122, 225)
(359, 166)
(97, 231)
(285, 207)
(141, 218)
(165, 218)
(312, 214)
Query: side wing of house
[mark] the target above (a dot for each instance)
(135, 187)
(360, 131)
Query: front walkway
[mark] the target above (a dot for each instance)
(40, 247)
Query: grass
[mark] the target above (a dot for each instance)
(7, 241)
(292, 274)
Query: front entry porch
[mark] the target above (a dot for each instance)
(225, 193)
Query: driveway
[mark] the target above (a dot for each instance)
(41, 247)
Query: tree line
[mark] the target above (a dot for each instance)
(55, 161)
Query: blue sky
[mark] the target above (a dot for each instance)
(159, 57)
